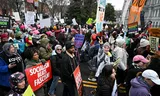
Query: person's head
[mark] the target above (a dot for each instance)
(31, 54)
(9, 49)
(106, 47)
(70, 47)
(121, 42)
(151, 77)
(144, 43)
(58, 49)
(109, 72)
(17, 81)
(140, 61)
(4, 37)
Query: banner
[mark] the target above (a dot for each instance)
(4, 22)
(30, 1)
(125, 9)
(100, 15)
(45, 22)
(38, 75)
(154, 43)
(29, 92)
(78, 42)
(135, 10)
(133, 27)
(29, 17)
(78, 80)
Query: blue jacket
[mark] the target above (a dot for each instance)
(4, 73)
(139, 87)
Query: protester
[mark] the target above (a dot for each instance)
(139, 65)
(141, 85)
(4, 39)
(32, 59)
(120, 53)
(10, 62)
(69, 65)
(18, 84)
(56, 61)
(107, 82)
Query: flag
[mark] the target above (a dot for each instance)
(135, 10)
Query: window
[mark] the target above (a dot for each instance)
(157, 13)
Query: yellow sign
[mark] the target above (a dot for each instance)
(29, 92)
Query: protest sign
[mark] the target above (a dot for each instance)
(38, 75)
(29, 92)
(30, 1)
(154, 32)
(45, 22)
(16, 16)
(133, 27)
(154, 43)
(89, 21)
(100, 15)
(4, 22)
(78, 40)
(74, 22)
(78, 80)
(29, 17)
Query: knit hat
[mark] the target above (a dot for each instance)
(69, 44)
(144, 43)
(18, 34)
(120, 42)
(4, 35)
(106, 44)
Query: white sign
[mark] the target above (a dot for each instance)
(62, 20)
(45, 22)
(16, 16)
(29, 17)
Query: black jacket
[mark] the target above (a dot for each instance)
(56, 62)
(105, 87)
(68, 66)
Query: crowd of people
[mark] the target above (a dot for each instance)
(121, 64)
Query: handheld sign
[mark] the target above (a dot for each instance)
(38, 75)
(4, 22)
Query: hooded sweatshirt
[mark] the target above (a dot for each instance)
(139, 87)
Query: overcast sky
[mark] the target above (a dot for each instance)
(118, 4)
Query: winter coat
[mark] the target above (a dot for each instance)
(5, 60)
(45, 53)
(139, 87)
(56, 63)
(131, 73)
(104, 87)
(12, 93)
(68, 66)
(102, 60)
(120, 53)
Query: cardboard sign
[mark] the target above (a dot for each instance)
(78, 40)
(29, 92)
(16, 16)
(38, 75)
(100, 15)
(4, 22)
(154, 43)
(78, 80)
(133, 27)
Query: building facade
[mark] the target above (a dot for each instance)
(151, 12)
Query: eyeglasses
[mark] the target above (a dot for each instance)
(59, 49)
